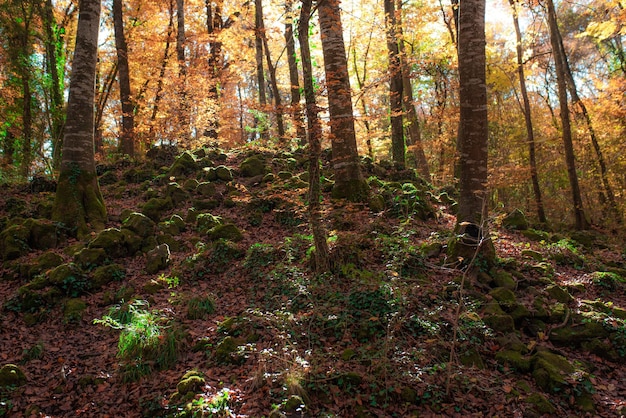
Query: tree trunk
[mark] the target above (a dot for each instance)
(472, 135)
(278, 106)
(414, 141)
(573, 91)
(530, 134)
(360, 79)
(54, 61)
(127, 136)
(183, 114)
(349, 182)
(78, 202)
(296, 109)
(566, 130)
(27, 124)
(160, 81)
(322, 263)
(395, 88)
(214, 28)
(260, 76)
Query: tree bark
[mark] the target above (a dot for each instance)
(259, 31)
(294, 81)
(322, 263)
(183, 113)
(566, 130)
(349, 182)
(278, 105)
(530, 134)
(127, 134)
(398, 148)
(78, 202)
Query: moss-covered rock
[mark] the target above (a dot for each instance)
(228, 232)
(532, 254)
(558, 293)
(104, 275)
(536, 235)
(192, 382)
(155, 207)
(11, 375)
(515, 220)
(500, 322)
(551, 370)
(253, 166)
(133, 243)
(226, 351)
(574, 335)
(140, 224)
(514, 359)
(206, 189)
(184, 165)
(540, 404)
(505, 298)
(89, 258)
(67, 274)
(206, 204)
(503, 279)
(158, 258)
(207, 221)
(110, 240)
(73, 310)
(43, 234)
(171, 241)
(45, 262)
(176, 193)
(14, 242)
(376, 203)
(223, 173)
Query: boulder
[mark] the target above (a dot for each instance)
(158, 258)
(140, 224)
(253, 166)
(515, 220)
(11, 375)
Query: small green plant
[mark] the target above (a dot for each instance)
(147, 340)
(215, 406)
(200, 307)
(35, 352)
(171, 282)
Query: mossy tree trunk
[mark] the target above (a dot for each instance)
(78, 203)
(127, 140)
(349, 182)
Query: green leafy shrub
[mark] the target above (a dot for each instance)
(199, 307)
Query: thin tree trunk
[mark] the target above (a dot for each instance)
(414, 141)
(360, 79)
(183, 114)
(398, 148)
(166, 54)
(566, 130)
(214, 28)
(296, 109)
(322, 263)
(260, 76)
(78, 202)
(127, 135)
(278, 111)
(530, 134)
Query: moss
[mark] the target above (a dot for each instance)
(176, 193)
(14, 242)
(106, 274)
(140, 224)
(515, 359)
(43, 235)
(133, 243)
(227, 231)
(157, 259)
(89, 258)
(503, 279)
(44, 262)
(355, 190)
(223, 173)
(501, 323)
(184, 165)
(112, 241)
(207, 221)
(376, 203)
(155, 207)
(192, 383)
(11, 375)
(253, 166)
(73, 310)
(550, 371)
(471, 358)
(559, 294)
(206, 189)
(575, 334)
(536, 235)
(515, 220)
(226, 351)
(535, 255)
(540, 403)
(78, 203)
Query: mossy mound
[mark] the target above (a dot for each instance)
(11, 375)
(14, 242)
(207, 221)
(184, 165)
(112, 241)
(253, 166)
(227, 351)
(73, 310)
(155, 207)
(515, 220)
(158, 258)
(176, 194)
(104, 275)
(45, 261)
(140, 224)
(223, 173)
(226, 231)
(89, 258)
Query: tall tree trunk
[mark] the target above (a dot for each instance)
(322, 263)
(473, 129)
(278, 111)
(54, 61)
(360, 79)
(127, 135)
(27, 124)
(414, 141)
(294, 81)
(573, 91)
(214, 28)
(349, 182)
(160, 81)
(78, 202)
(398, 148)
(566, 130)
(530, 134)
(259, 31)
(183, 114)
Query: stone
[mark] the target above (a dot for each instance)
(207, 221)
(140, 224)
(223, 173)
(376, 203)
(184, 165)
(176, 193)
(515, 220)
(550, 370)
(206, 189)
(112, 241)
(11, 375)
(190, 384)
(104, 275)
(540, 403)
(155, 207)
(45, 262)
(253, 166)
(14, 242)
(228, 232)
(43, 235)
(559, 294)
(73, 310)
(574, 335)
(503, 279)
(158, 258)
(88, 258)
(514, 359)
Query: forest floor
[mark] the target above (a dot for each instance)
(396, 329)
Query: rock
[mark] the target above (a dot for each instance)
(73, 310)
(192, 382)
(226, 351)
(540, 404)
(140, 224)
(514, 359)
(535, 255)
(503, 279)
(223, 173)
(184, 165)
(14, 242)
(155, 207)
(65, 275)
(206, 189)
(228, 232)
(515, 220)
(109, 177)
(252, 166)
(501, 323)
(43, 235)
(284, 175)
(376, 203)
(45, 262)
(104, 275)
(559, 294)
(536, 235)
(89, 258)
(158, 258)
(574, 335)
(207, 221)
(11, 375)
(134, 243)
(176, 193)
(550, 371)
(112, 241)
(505, 298)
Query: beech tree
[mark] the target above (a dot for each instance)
(78, 202)
(127, 140)
(349, 182)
